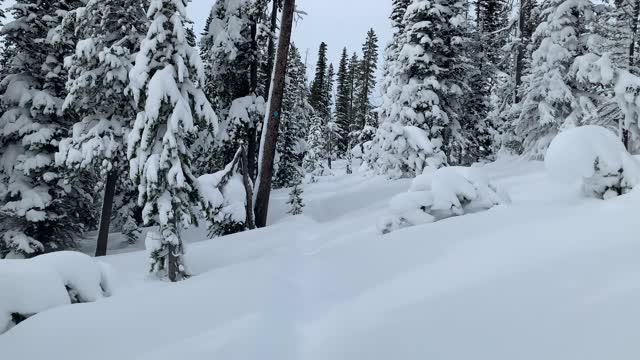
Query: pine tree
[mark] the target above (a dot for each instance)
(296, 118)
(399, 8)
(553, 100)
(110, 32)
(331, 128)
(316, 154)
(230, 52)
(367, 78)
(295, 200)
(426, 92)
(38, 211)
(354, 84)
(318, 97)
(343, 103)
(167, 82)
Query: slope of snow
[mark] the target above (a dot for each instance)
(551, 276)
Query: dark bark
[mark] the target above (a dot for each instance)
(174, 268)
(275, 108)
(625, 138)
(107, 210)
(634, 33)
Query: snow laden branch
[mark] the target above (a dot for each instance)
(229, 197)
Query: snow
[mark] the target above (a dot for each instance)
(28, 287)
(593, 156)
(553, 275)
(436, 195)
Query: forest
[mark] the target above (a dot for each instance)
(476, 144)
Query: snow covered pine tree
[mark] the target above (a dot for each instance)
(38, 211)
(424, 91)
(167, 82)
(110, 32)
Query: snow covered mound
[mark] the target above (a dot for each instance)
(594, 157)
(447, 192)
(28, 287)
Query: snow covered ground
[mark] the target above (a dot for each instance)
(551, 276)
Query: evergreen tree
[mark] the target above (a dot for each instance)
(110, 32)
(229, 50)
(38, 211)
(167, 82)
(331, 128)
(316, 154)
(318, 97)
(343, 103)
(295, 200)
(296, 117)
(426, 92)
(354, 84)
(367, 78)
(554, 100)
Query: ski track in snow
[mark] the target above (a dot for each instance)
(552, 276)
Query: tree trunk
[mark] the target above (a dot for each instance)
(251, 131)
(105, 216)
(632, 53)
(634, 33)
(272, 45)
(173, 263)
(519, 65)
(251, 224)
(265, 173)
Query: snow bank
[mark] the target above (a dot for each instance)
(594, 157)
(447, 192)
(28, 287)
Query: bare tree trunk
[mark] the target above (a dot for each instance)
(251, 224)
(268, 150)
(173, 263)
(634, 33)
(251, 131)
(105, 216)
(519, 65)
(626, 138)
(272, 44)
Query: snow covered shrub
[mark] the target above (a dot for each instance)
(46, 281)
(595, 157)
(226, 195)
(447, 192)
(295, 200)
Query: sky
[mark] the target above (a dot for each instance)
(339, 23)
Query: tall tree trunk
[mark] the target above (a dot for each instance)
(634, 33)
(272, 45)
(626, 138)
(265, 172)
(251, 224)
(105, 216)
(251, 131)
(519, 60)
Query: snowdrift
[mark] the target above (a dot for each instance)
(28, 287)
(595, 158)
(447, 192)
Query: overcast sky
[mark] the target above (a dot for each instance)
(339, 23)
